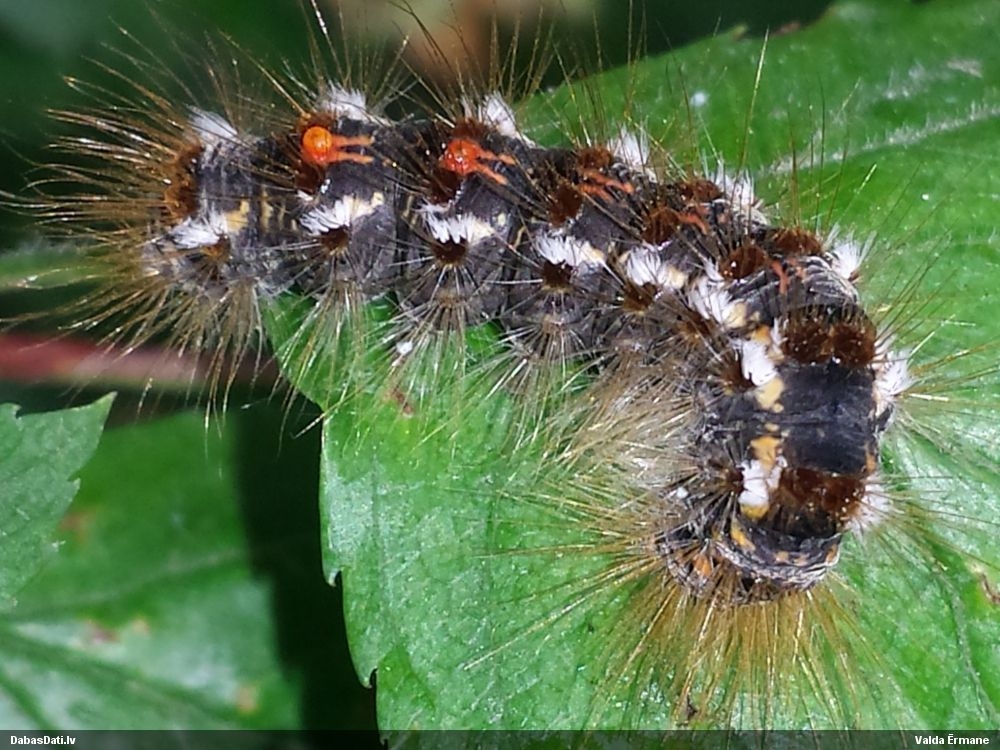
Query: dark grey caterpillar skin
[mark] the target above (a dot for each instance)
(565, 291)
(792, 435)
(348, 212)
(462, 229)
(234, 226)
(756, 331)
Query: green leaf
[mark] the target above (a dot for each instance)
(469, 602)
(39, 453)
(150, 615)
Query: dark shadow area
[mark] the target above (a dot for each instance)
(664, 25)
(278, 485)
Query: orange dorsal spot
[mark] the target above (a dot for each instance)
(799, 270)
(782, 277)
(694, 220)
(322, 147)
(464, 156)
(596, 184)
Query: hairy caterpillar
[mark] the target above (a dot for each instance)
(640, 416)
